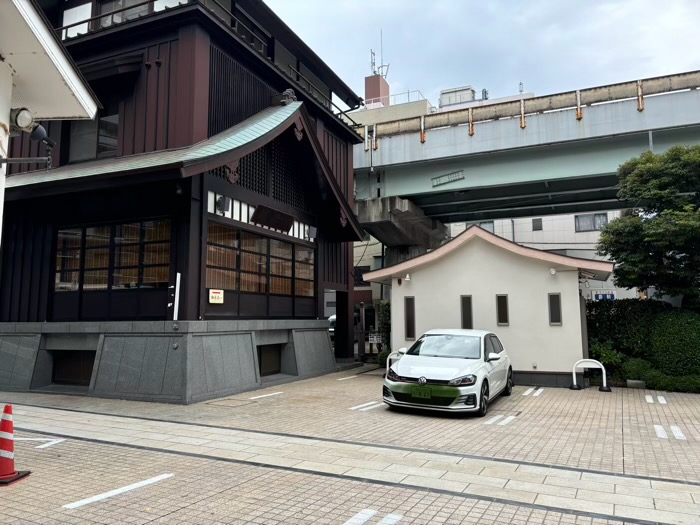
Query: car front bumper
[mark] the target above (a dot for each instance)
(442, 398)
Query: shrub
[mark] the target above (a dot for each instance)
(384, 323)
(627, 323)
(657, 380)
(636, 368)
(675, 343)
(606, 354)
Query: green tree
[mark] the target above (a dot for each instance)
(657, 242)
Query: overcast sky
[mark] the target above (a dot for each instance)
(549, 45)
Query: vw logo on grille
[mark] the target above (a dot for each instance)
(422, 380)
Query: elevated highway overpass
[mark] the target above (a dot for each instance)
(544, 155)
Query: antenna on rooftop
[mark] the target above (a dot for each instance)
(383, 68)
(522, 87)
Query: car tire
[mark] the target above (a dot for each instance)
(484, 400)
(509, 383)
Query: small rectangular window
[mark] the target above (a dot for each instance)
(536, 225)
(488, 226)
(555, 308)
(467, 321)
(590, 222)
(410, 317)
(502, 309)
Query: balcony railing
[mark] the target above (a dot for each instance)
(80, 20)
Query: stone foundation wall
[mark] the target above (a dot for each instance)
(165, 361)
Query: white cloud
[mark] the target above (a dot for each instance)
(551, 46)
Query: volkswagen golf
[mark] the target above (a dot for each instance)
(451, 371)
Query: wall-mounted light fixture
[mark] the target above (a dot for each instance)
(21, 119)
(408, 277)
(553, 271)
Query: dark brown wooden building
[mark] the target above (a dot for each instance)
(179, 246)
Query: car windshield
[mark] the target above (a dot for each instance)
(455, 346)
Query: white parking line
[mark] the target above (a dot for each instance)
(390, 519)
(649, 399)
(493, 420)
(677, 433)
(50, 443)
(361, 517)
(506, 420)
(266, 395)
(344, 378)
(363, 405)
(371, 407)
(660, 432)
(538, 392)
(662, 400)
(528, 391)
(116, 492)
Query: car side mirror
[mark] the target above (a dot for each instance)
(493, 357)
(402, 351)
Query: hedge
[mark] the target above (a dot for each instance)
(647, 340)
(384, 323)
(655, 379)
(675, 343)
(626, 323)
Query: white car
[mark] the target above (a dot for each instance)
(451, 371)
(331, 326)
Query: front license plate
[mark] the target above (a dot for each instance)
(421, 392)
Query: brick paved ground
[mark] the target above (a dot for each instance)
(588, 429)
(206, 491)
(424, 467)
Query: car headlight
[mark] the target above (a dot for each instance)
(463, 381)
(392, 376)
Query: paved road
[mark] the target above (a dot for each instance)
(541, 456)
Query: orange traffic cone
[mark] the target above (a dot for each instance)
(8, 474)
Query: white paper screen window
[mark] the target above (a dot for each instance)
(211, 202)
(236, 210)
(73, 15)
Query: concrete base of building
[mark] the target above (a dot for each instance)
(550, 379)
(165, 361)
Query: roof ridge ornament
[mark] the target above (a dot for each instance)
(286, 97)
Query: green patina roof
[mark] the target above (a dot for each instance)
(233, 138)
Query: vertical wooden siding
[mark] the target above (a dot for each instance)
(235, 93)
(21, 146)
(334, 268)
(146, 114)
(146, 111)
(26, 267)
(337, 152)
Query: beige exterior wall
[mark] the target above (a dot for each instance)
(558, 234)
(390, 113)
(482, 270)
